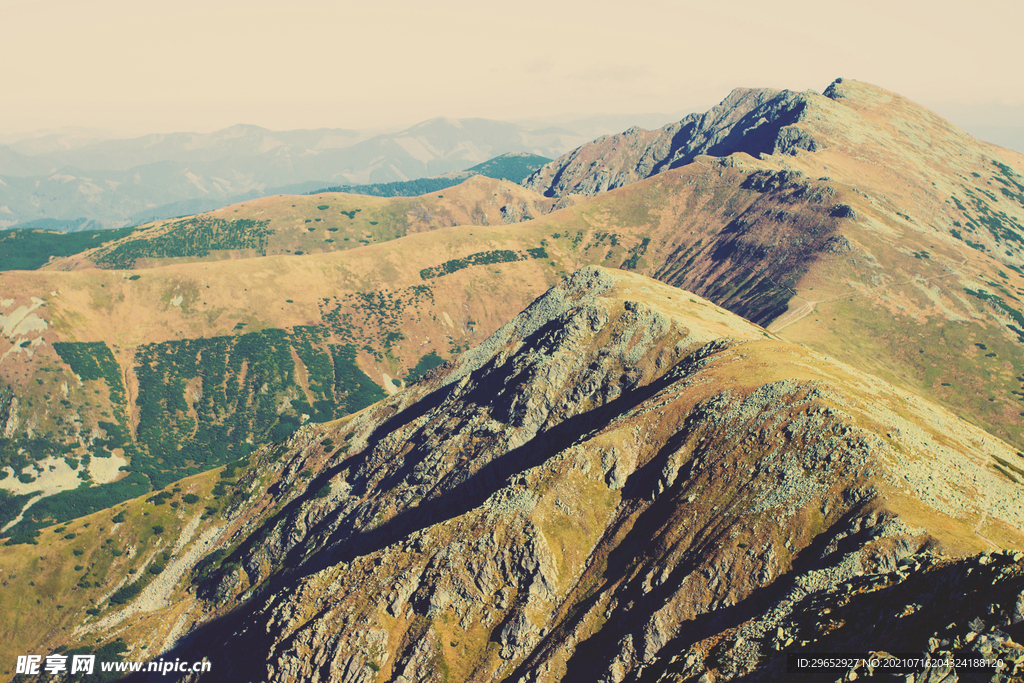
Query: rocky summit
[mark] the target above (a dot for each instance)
(623, 483)
(754, 121)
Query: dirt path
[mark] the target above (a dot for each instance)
(793, 315)
(977, 528)
(805, 309)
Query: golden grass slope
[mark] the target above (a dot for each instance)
(77, 566)
(746, 236)
(329, 222)
(528, 491)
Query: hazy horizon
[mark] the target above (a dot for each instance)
(111, 134)
(136, 69)
(987, 123)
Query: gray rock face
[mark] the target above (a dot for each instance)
(419, 665)
(755, 121)
(584, 285)
(608, 489)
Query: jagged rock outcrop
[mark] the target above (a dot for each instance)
(751, 120)
(624, 483)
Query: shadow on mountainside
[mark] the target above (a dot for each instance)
(234, 660)
(756, 132)
(593, 656)
(469, 489)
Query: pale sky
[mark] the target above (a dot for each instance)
(199, 65)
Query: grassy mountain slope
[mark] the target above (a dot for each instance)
(33, 246)
(624, 482)
(311, 224)
(105, 559)
(854, 264)
(175, 369)
(746, 238)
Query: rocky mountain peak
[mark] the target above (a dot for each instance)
(857, 92)
(751, 120)
(625, 482)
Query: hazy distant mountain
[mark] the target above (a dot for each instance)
(120, 182)
(188, 148)
(53, 140)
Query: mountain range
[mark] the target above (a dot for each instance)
(685, 402)
(74, 183)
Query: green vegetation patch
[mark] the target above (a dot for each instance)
(514, 167)
(202, 403)
(92, 361)
(635, 253)
(1012, 189)
(373, 321)
(32, 249)
(482, 258)
(425, 364)
(206, 566)
(408, 188)
(980, 215)
(111, 652)
(1013, 313)
(11, 504)
(243, 380)
(189, 237)
(355, 388)
(160, 498)
(19, 452)
(68, 505)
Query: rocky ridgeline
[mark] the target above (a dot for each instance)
(624, 483)
(928, 605)
(751, 120)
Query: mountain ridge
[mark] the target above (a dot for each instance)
(911, 297)
(619, 481)
(819, 135)
(485, 521)
(740, 123)
(773, 244)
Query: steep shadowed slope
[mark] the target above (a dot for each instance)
(893, 247)
(750, 120)
(920, 280)
(624, 482)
